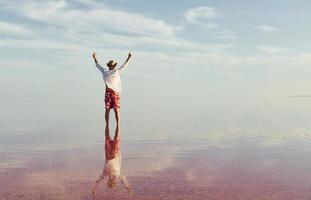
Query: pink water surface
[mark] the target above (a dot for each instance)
(241, 170)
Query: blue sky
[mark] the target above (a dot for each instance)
(196, 64)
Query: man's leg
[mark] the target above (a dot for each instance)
(107, 123)
(117, 116)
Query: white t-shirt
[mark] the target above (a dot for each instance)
(112, 77)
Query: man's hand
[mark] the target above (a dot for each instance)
(94, 57)
(129, 56)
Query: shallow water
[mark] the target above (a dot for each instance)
(237, 168)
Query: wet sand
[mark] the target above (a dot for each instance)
(164, 169)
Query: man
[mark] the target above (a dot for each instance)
(112, 80)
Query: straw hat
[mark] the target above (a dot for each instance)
(112, 63)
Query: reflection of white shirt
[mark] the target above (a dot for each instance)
(112, 77)
(113, 166)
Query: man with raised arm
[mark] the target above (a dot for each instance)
(111, 77)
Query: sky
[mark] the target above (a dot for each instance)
(196, 66)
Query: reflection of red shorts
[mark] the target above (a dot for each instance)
(112, 99)
(112, 148)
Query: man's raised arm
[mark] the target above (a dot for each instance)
(125, 63)
(126, 183)
(97, 64)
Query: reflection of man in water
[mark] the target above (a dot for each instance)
(112, 169)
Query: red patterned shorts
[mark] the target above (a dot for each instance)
(112, 148)
(112, 99)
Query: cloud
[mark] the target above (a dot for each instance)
(202, 16)
(209, 26)
(36, 44)
(6, 27)
(70, 26)
(267, 29)
(222, 34)
(112, 41)
(197, 14)
(94, 18)
(165, 44)
(271, 49)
